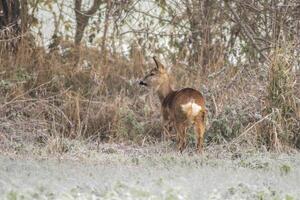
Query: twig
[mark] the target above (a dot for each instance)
(247, 31)
(253, 125)
(28, 91)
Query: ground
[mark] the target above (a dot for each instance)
(113, 171)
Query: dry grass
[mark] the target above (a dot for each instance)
(49, 96)
(283, 124)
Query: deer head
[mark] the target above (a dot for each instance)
(157, 77)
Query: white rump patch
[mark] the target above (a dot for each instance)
(191, 108)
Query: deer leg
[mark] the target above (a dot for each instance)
(181, 136)
(166, 130)
(166, 123)
(199, 130)
(184, 138)
(171, 131)
(178, 134)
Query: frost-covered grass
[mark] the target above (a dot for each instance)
(122, 172)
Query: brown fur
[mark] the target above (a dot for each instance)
(172, 102)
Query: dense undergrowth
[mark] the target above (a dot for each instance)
(72, 93)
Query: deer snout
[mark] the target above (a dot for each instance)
(143, 83)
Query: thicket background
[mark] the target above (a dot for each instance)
(69, 69)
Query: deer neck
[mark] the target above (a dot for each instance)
(164, 90)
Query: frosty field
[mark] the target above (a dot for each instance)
(137, 173)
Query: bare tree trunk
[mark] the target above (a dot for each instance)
(82, 18)
(199, 15)
(9, 27)
(106, 24)
(24, 16)
(9, 13)
(276, 22)
(194, 19)
(206, 35)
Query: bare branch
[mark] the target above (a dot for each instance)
(247, 31)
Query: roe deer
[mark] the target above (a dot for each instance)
(179, 107)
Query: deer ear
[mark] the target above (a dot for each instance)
(159, 66)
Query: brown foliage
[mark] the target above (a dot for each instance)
(45, 95)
